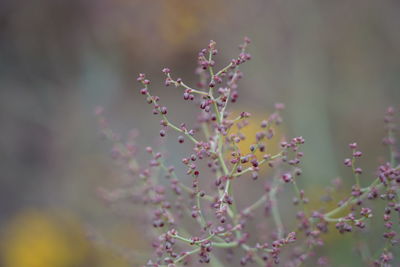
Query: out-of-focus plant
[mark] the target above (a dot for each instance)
(194, 220)
(182, 30)
(39, 238)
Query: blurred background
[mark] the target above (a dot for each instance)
(335, 64)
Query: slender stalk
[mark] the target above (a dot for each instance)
(170, 124)
(255, 205)
(224, 69)
(182, 84)
(215, 262)
(223, 164)
(202, 220)
(180, 130)
(225, 245)
(179, 259)
(353, 168)
(263, 161)
(180, 184)
(193, 90)
(210, 68)
(353, 200)
(275, 212)
(181, 238)
(253, 251)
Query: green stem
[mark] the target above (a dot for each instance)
(222, 162)
(186, 240)
(353, 200)
(224, 69)
(255, 205)
(180, 130)
(215, 262)
(225, 245)
(193, 90)
(275, 212)
(356, 175)
(202, 220)
(184, 187)
(263, 161)
(177, 260)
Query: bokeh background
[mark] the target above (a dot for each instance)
(335, 64)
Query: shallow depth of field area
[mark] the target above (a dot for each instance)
(206, 133)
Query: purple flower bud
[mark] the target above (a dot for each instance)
(353, 145)
(186, 96)
(162, 133)
(287, 177)
(279, 106)
(140, 77)
(163, 110)
(143, 91)
(264, 124)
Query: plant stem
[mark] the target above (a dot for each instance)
(260, 163)
(255, 205)
(275, 212)
(352, 200)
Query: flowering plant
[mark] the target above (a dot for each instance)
(194, 221)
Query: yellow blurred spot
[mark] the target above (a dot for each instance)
(34, 239)
(45, 239)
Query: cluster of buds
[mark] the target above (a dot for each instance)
(191, 217)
